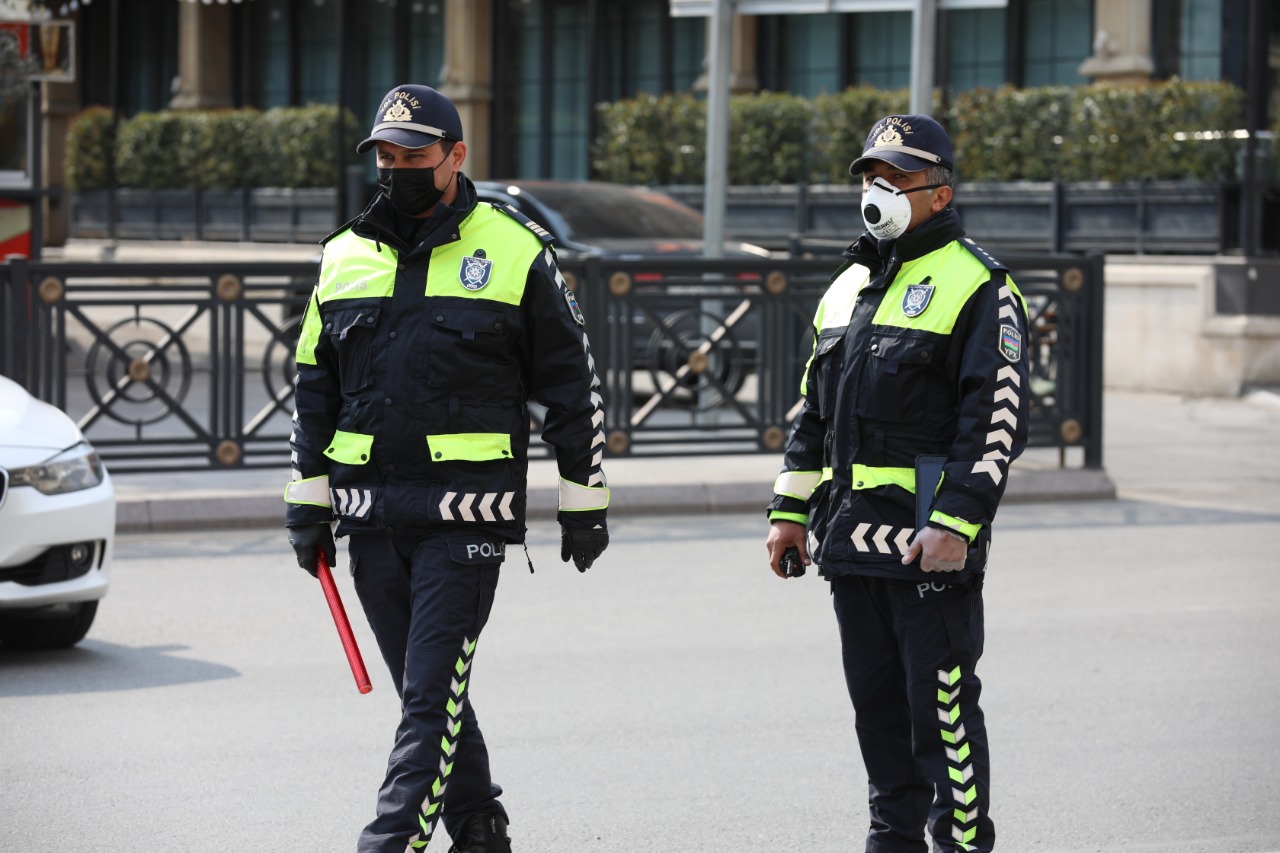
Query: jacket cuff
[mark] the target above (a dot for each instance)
(955, 525)
(776, 515)
(576, 498)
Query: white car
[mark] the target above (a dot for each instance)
(57, 525)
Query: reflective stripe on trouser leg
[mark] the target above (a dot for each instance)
(896, 637)
(429, 811)
(964, 789)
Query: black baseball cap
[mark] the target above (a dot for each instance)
(912, 143)
(414, 116)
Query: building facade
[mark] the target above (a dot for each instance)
(526, 73)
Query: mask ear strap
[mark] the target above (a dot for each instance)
(918, 189)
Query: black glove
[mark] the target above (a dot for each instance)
(309, 540)
(584, 545)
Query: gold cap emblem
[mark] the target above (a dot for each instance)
(889, 136)
(398, 112)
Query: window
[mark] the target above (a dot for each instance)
(273, 23)
(1189, 36)
(1058, 38)
(975, 48)
(569, 66)
(689, 49)
(882, 49)
(812, 46)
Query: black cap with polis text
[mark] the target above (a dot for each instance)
(912, 143)
(414, 116)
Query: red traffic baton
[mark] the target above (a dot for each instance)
(343, 624)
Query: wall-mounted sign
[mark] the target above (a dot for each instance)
(50, 45)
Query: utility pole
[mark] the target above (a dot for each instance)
(924, 30)
(717, 180)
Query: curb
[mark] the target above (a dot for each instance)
(232, 509)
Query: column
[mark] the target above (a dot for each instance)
(742, 58)
(59, 104)
(466, 80)
(204, 57)
(1121, 42)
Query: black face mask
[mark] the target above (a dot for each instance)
(411, 191)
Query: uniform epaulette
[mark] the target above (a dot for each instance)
(982, 255)
(343, 227)
(543, 234)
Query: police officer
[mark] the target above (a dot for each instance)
(918, 351)
(435, 319)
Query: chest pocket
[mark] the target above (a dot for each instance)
(826, 368)
(351, 332)
(470, 341)
(900, 380)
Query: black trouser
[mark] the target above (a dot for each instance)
(909, 655)
(427, 599)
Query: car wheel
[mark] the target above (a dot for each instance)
(57, 627)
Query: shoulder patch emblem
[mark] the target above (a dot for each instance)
(573, 307)
(916, 299)
(474, 272)
(1010, 343)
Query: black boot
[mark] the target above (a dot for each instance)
(484, 833)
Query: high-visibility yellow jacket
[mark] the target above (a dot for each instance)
(919, 349)
(415, 365)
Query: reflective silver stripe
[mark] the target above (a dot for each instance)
(313, 491)
(905, 149)
(408, 125)
(577, 498)
(797, 484)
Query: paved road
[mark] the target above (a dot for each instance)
(676, 698)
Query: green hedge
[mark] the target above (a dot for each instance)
(222, 149)
(1174, 130)
(90, 150)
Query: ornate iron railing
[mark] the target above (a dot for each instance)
(187, 366)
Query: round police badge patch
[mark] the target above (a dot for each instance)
(916, 299)
(474, 273)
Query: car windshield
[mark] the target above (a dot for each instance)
(605, 212)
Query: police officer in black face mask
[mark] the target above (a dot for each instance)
(435, 319)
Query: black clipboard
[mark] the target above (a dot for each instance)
(928, 475)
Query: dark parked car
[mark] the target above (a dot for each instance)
(591, 218)
(609, 220)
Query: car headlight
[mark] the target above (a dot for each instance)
(69, 471)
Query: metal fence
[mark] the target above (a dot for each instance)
(189, 367)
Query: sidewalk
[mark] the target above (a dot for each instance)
(1216, 452)
(671, 485)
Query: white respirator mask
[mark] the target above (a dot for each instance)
(886, 209)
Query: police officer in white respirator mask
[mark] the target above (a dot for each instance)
(915, 403)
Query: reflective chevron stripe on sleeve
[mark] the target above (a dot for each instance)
(595, 476)
(1004, 413)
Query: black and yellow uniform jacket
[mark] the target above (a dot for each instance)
(919, 348)
(415, 365)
